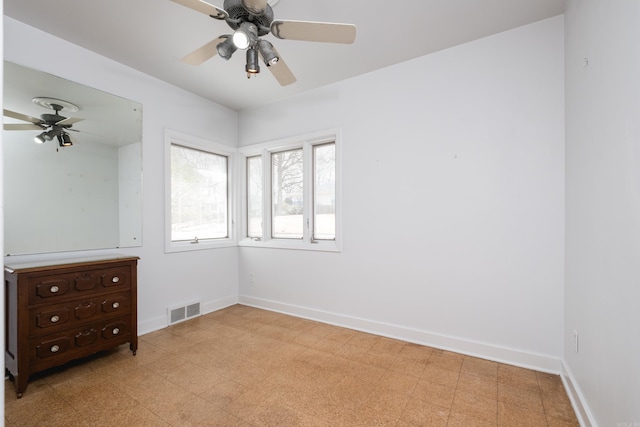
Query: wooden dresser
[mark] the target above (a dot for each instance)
(58, 311)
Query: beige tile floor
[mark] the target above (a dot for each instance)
(243, 366)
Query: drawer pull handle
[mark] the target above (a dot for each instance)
(115, 304)
(55, 319)
(116, 331)
(54, 289)
(55, 348)
(115, 279)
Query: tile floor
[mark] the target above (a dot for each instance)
(243, 366)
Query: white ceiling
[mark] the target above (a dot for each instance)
(153, 35)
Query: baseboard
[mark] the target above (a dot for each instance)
(160, 322)
(580, 407)
(219, 304)
(523, 359)
(152, 325)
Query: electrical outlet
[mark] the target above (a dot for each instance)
(251, 278)
(575, 341)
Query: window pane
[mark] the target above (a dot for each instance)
(286, 176)
(198, 194)
(254, 197)
(324, 191)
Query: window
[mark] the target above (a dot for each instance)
(292, 194)
(198, 194)
(254, 197)
(324, 191)
(287, 188)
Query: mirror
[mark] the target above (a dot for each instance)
(70, 198)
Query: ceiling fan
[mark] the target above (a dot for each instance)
(252, 19)
(52, 125)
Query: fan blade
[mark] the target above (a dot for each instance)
(69, 121)
(281, 71)
(314, 31)
(22, 117)
(24, 126)
(256, 7)
(207, 51)
(204, 7)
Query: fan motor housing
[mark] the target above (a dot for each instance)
(239, 14)
(51, 118)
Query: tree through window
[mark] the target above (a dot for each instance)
(199, 194)
(288, 199)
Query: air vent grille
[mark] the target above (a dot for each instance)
(193, 310)
(183, 312)
(176, 315)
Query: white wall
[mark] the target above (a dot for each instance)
(602, 294)
(164, 279)
(453, 200)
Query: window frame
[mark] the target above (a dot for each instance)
(246, 180)
(272, 216)
(306, 142)
(171, 138)
(315, 191)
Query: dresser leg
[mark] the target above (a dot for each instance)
(20, 384)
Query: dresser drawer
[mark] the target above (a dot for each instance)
(49, 288)
(51, 318)
(118, 303)
(59, 348)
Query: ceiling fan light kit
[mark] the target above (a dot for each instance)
(252, 66)
(269, 55)
(64, 140)
(246, 36)
(253, 19)
(45, 136)
(226, 48)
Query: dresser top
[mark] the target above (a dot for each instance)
(64, 262)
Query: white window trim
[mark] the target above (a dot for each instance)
(175, 137)
(265, 149)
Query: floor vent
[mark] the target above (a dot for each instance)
(184, 312)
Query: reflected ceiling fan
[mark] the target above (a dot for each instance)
(252, 19)
(52, 125)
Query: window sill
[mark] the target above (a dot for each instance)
(321, 246)
(201, 245)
